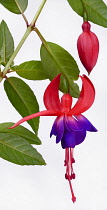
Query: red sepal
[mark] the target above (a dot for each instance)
(86, 97)
(51, 95)
(42, 113)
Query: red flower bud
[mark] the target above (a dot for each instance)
(88, 47)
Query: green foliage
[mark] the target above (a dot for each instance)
(23, 99)
(32, 70)
(19, 151)
(96, 10)
(20, 131)
(55, 60)
(7, 46)
(15, 6)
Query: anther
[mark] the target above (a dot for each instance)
(73, 160)
(72, 176)
(73, 199)
(66, 176)
(65, 162)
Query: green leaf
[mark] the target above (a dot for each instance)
(15, 6)
(74, 91)
(55, 60)
(23, 99)
(19, 151)
(20, 131)
(7, 43)
(32, 70)
(96, 10)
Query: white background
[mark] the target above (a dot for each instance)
(44, 187)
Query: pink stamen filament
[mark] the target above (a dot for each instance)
(69, 160)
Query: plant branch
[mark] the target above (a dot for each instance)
(27, 32)
(38, 13)
(41, 37)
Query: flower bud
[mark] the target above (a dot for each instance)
(88, 47)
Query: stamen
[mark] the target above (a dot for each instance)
(69, 175)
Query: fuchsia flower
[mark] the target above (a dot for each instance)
(88, 47)
(70, 125)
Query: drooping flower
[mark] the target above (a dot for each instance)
(70, 126)
(88, 47)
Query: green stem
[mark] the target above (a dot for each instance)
(48, 48)
(46, 45)
(85, 15)
(27, 32)
(38, 13)
(23, 15)
(44, 42)
(41, 37)
(29, 29)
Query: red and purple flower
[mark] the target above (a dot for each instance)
(70, 126)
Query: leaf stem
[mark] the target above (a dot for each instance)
(27, 32)
(41, 37)
(23, 15)
(44, 42)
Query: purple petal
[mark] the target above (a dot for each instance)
(72, 124)
(54, 129)
(85, 123)
(58, 128)
(80, 136)
(69, 140)
(73, 138)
